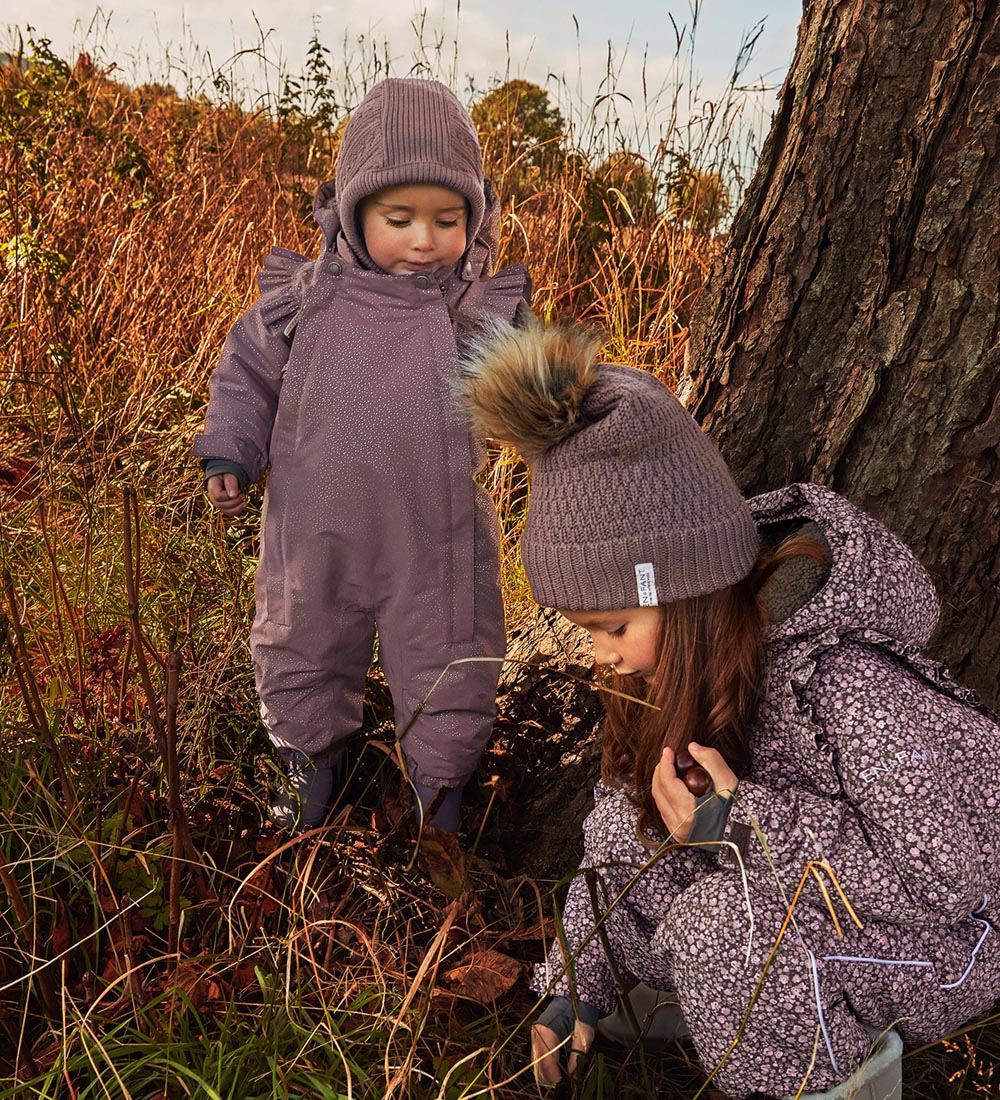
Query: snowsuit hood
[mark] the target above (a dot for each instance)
(875, 583)
(406, 131)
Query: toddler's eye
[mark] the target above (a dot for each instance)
(398, 223)
(617, 633)
(447, 225)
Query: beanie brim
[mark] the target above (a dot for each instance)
(615, 574)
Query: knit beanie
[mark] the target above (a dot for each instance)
(630, 504)
(407, 130)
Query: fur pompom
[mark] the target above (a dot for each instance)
(525, 386)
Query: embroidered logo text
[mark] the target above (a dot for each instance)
(900, 759)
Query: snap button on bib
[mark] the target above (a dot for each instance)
(422, 281)
(335, 268)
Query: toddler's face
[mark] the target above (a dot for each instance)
(624, 640)
(414, 227)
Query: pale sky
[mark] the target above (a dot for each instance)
(526, 38)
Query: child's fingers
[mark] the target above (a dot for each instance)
(723, 777)
(225, 493)
(223, 487)
(233, 507)
(665, 777)
(545, 1055)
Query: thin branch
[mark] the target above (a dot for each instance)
(29, 689)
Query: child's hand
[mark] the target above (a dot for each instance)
(225, 493)
(671, 795)
(545, 1051)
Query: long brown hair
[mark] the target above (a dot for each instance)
(706, 687)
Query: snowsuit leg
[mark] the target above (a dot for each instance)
(444, 715)
(807, 1022)
(718, 956)
(905, 986)
(318, 607)
(312, 696)
(312, 643)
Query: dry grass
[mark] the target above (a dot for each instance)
(157, 927)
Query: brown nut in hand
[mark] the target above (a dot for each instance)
(696, 779)
(683, 761)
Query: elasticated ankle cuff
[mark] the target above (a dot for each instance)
(302, 799)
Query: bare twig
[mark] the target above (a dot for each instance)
(29, 689)
(27, 922)
(59, 594)
(177, 821)
(183, 845)
(590, 877)
(133, 560)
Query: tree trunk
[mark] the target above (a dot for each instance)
(850, 333)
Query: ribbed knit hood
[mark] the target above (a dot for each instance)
(406, 131)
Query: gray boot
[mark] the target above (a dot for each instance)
(302, 799)
(448, 815)
(657, 1013)
(879, 1077)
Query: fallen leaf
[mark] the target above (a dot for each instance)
(485, 976)
(441, 856)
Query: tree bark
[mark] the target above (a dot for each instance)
(849, 335)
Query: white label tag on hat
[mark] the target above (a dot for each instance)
(645, 582)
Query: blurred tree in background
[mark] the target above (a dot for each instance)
(518, 125)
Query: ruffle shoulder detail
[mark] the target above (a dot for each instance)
(790, 669)
(505, 291)
(793, 666)
(500, 297)
(282, 284)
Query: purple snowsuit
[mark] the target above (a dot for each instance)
(339, 379)
(866, 755)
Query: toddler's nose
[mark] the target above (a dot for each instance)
(423, 237)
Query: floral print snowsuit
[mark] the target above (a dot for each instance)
(866, 756)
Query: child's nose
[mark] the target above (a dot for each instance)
(423, 236)
(604, 654)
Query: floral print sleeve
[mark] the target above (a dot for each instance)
(634, 891)
(900, 833)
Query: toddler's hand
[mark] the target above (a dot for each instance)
(546, 1049)
(225, 493)
(671, 795)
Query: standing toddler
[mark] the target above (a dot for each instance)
(339, 381)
